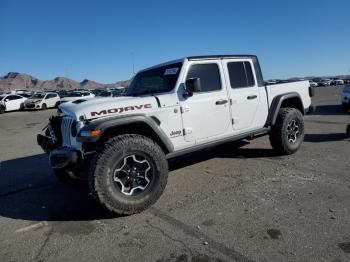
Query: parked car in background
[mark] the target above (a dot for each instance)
(337, 82)
(321, 82)
(42, 101)
(75, 95)
(11, 103)
(313, 84)
(113, 93)
(345, 98)
(98, 91)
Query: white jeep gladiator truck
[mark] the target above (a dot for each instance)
(121, 145)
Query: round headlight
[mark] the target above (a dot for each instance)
(74, 129)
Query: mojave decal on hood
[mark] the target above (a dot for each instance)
(102, 107)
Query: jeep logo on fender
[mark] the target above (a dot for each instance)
(120, 110)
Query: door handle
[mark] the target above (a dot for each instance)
(221, 102)
(252, 97)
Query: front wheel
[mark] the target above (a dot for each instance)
(129, 174)
(2, 109)
(44, 107)
(348, 131)
(288, 133)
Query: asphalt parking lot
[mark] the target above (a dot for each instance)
(225, 204)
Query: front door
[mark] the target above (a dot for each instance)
(12, 103)
(206, 114)
(243, 92)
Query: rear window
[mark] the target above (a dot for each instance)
(241, 74)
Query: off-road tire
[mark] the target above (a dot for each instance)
(101, 175)
(2, 109)
(66, 177)
(279, 132)
(347, 134)
(44, 107)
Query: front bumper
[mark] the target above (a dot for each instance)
(32, 106)
(60, 157)
(65, 158)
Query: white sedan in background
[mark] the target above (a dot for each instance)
(11, 103)
(75, 95)
(42, 101)
(313, 84)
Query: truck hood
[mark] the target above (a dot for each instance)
(111, 106)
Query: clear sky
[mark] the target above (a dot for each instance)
(95, 39)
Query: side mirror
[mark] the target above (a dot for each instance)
(192, 85)
(6, 100)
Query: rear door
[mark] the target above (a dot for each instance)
(243, 92)
(206, 114)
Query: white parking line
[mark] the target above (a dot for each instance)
(32, 227)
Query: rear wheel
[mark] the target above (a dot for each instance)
(129, 174)
(288, 133)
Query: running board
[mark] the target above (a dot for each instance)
(248, 135)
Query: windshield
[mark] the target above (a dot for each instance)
(157, 80)
(38, 96)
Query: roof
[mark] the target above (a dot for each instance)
(219, 57)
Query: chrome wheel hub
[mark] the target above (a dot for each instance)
(133, 175)
(293, 131)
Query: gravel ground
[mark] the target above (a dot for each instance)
(238, 202)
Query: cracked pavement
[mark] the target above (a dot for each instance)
(238, 202)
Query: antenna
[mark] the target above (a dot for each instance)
(133, 62)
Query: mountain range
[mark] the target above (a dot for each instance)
(20, 81)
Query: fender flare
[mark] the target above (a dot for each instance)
(276, 105)
(105, 124)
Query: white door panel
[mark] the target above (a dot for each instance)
(203, 118)
(207, 113)
(243, 92)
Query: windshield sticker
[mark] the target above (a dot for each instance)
(171, 71)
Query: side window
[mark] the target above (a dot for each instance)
(50, 96)
(209, 75)
(241, 74)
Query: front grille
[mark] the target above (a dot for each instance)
(66, 130)
(30, 105)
